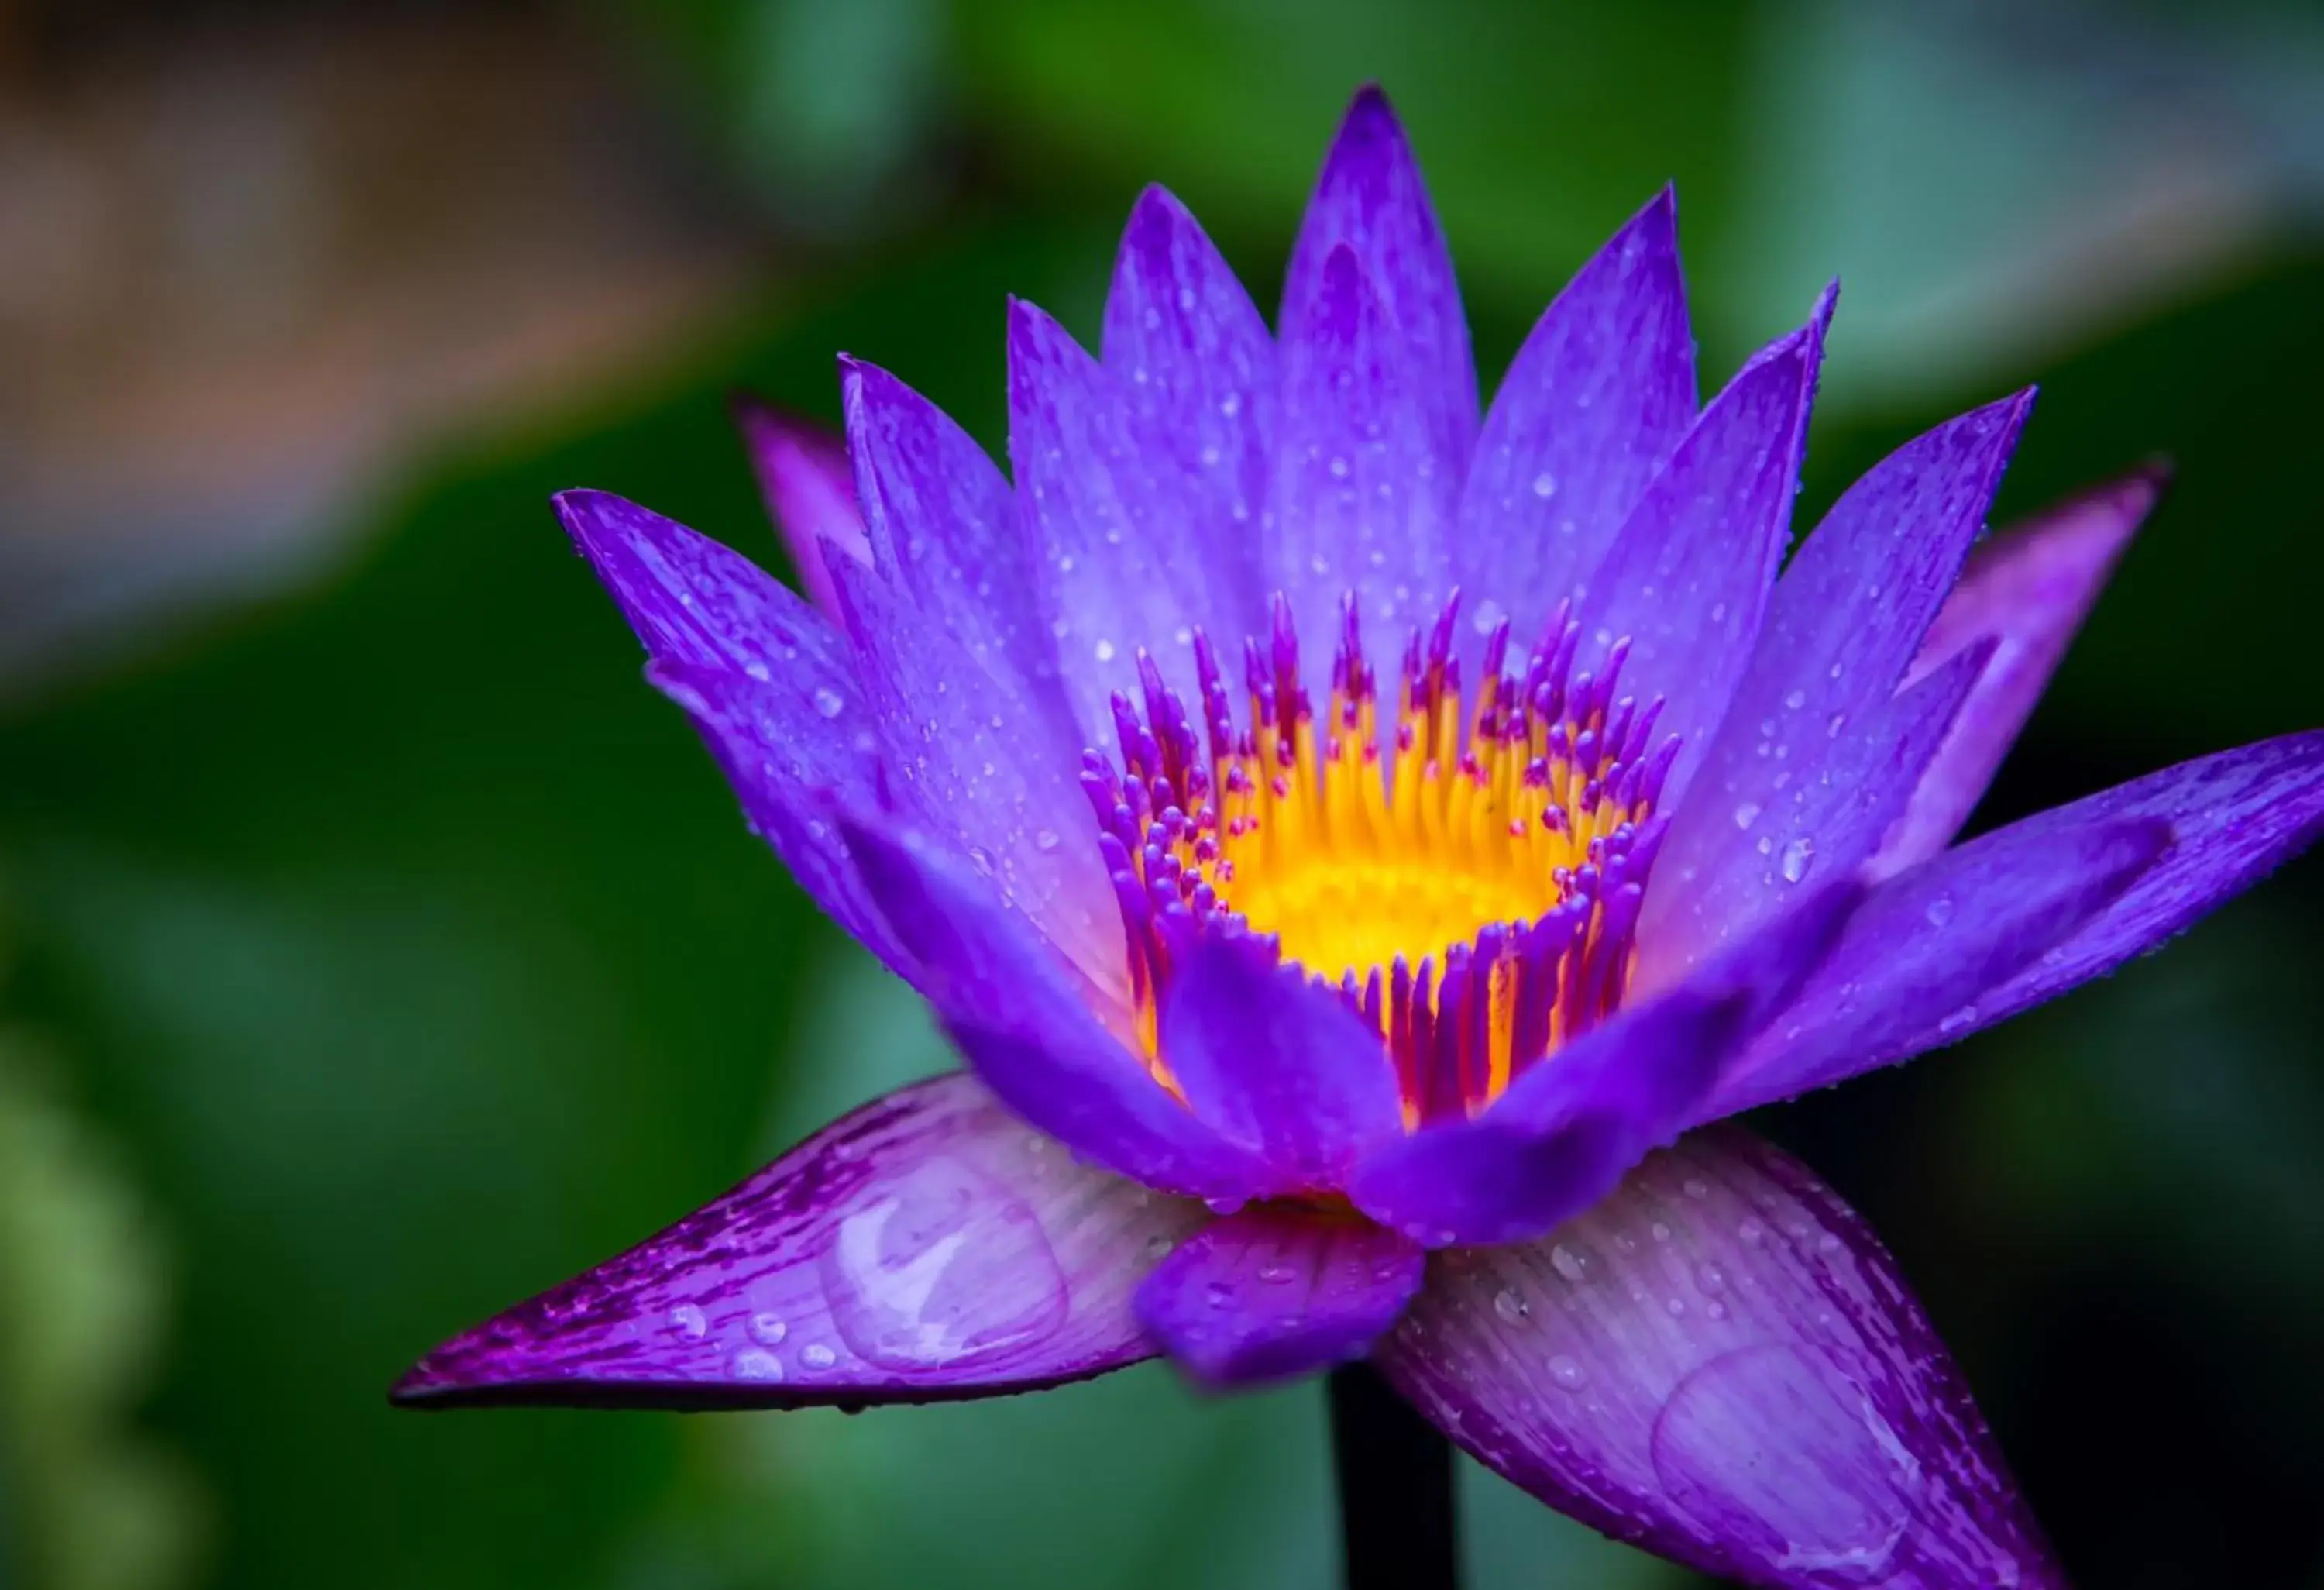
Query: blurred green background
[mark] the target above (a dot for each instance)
(375, 949)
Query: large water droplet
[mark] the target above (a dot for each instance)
(688, 1321)
(815, 1355)
(1545, 486)
(1783, 1456)
(1747, 814)
(828, 702)
(1941, 910)
(769, 1329)
(942, 1267)
(1510, 1306)
(751, 1364)
(1569, 1264)
(1797, 854)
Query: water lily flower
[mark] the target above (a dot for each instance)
(1324, 1004)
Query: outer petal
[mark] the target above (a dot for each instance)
(1370, 198)
(924, 1247)
(770, 687)
(942, 526)
(2027, 589)
(1688, 577)
(2234, 819)
(809, 486)
(1849, 793)
(983, 771)
(1116, 524)
(1277, 1291)
(1931, 941)
(1842, 626)
(1721, 1365)
(1569, 1128)
(1198, 365)
(1594, 402)
(1364, 493)
(1034, 1039)
(1276, 1063)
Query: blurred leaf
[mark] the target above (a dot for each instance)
(86, 1502)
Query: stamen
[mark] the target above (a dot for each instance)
(1474, 899)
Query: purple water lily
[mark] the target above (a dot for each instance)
(1319, 1009)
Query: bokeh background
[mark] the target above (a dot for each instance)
(375, 949)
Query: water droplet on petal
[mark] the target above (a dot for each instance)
(815, 1355)
(688, 1321)
(1569, 1264)
(1747, 814)
(1940, 910)
(1566, 1371)
(1510, 1306)
(769, 1329)
(1797, 857)
(751, 1364)
(1545, 486)
(828, 702)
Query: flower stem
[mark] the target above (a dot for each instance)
(1398, 1526)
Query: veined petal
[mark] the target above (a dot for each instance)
(1593, 404)
(1849, 793)
(771, 687)
(2028, 590)
(1277, 1063)
(1930, 943)
(926, 1247)
(1196, 359)
(1688, 577)
(1275, 1291)
(1568, 1129)
(942, 526)
(1037, 1040)
(1363, 494)
(1114, 523)
(1372, 199)
(1721, 1363)
(984, 772)
(2233, 818)
(1842, 626)
(809, 487)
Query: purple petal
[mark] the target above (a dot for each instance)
(1115, 522)
(2028, 589)
(1688, 577)
(1914, 966)
(926, 1247)
(769, 686)
(1278, 1063)
(985, 772)
(1721, 1365)
(1277, 1291)
(1595, 402)
(1198, 366)
(1568, 1129)
(2233, 817)
(1809, 752)
(809, 486)
(1850, 791)
(1363, 497)
(1370, 198)
(1035, 1037)
(943, 529)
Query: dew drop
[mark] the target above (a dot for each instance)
(1710, 1278)
(815, 1355)
(756, 669)
(1157, 1247)
(1795, 700)
(1747, 814)
(1796, 857)
(1218, 1294)
(1752, 1231)
(1694, 1186)
(1569, 1264)
(1941, 910)
(769, 1329)
(1047, 840)
(1567, 1372)
(1545, 486)
(827, 701)
(1959, 1021)
(688, 1321)
(1104, 651)
(1510, 1306)
(751, 1364)
(1276, 1274)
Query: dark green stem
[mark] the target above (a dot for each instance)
(1398, 1529)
